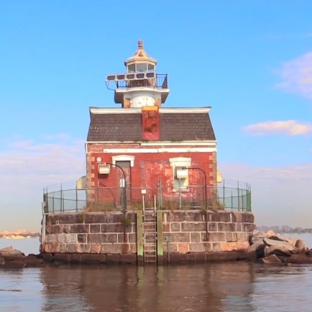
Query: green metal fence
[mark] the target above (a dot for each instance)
(225, 196)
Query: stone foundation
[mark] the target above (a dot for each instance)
(111, 237)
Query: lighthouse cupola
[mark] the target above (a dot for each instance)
(140, 85)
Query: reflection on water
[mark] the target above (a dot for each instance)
(178, 288)
(233, 286)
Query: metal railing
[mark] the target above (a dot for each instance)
(236, 196)
(160, 81)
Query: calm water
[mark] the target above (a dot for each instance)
(233, 286)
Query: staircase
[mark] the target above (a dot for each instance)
(149, 235)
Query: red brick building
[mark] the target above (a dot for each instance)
(158, 151)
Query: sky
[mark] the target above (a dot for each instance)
(251, 61)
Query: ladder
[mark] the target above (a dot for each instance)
(149, 235)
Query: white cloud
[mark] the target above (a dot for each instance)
(296, 76)
(26, 167)
(286, 127)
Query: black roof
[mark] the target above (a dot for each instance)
(125, 126)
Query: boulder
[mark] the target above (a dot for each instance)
(300, 259)
(277, 243)
(277, 250)
(272, 259)
(10, 251)
(258, 235)
(270, 233)
(256, 250)
(302, 248)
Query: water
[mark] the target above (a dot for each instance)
(226, 287)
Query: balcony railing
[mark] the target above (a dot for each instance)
(222, 197)
(158, 81)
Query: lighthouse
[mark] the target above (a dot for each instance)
(140, 85)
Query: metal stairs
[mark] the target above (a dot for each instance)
(149, 235)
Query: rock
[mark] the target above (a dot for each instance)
(277, 250)
(278, 238)
(270, 233)
(272, 259)
(300, 259)
(255, 250)
(2, 261)
(309, 252)
(302, 248)
(257, 235)
(34, 261)
(10, 251)
(272, 242)
(16, 264)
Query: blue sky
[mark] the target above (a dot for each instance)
(251, 61)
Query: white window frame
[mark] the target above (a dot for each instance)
(175, 163)
(123, 158)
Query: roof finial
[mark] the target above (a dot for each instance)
(140, 43)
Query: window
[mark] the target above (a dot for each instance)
(123, 158)
(141, 67)
(151, 67)
(131, 68)
(180, 173)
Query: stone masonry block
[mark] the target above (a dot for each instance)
(51, 238)
(216, 237)
(173, 247)
(180, 237)
(242, 237)
(212, 226)
(95, 248)
(66, 218)
(175, 227)
(83, 248)
(112, 228)
(82, 238)
(166, 227)
(193, 227)
(71, 248)
(95, 228)
(237, 217)
(94, 218)
(195, 237)
(230, 227)
(197, 247)
(221, 227)
(53, 248)
(79, 228)
(102, 238)
(208, 246)
(216, 247)
(229, 237)
(121, 238)
(111, 248)
(183, 248)
(132, 238)
(67, 238)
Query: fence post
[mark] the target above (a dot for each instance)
(62, 202)
(238, 196)
(223, 193)
(76, 199)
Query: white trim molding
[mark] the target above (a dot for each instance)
(160, 150)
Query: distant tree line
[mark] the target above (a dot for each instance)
(284, 229)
